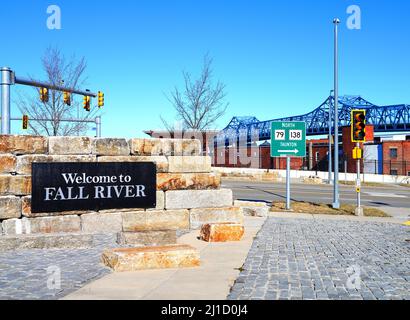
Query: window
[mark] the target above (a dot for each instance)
(393, 172)
(408, 173)
(393, 153)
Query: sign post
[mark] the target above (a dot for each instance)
(288, 139)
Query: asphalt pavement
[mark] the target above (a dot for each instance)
(393, 199)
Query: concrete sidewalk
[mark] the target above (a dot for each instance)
(396, 220)
(220, 266)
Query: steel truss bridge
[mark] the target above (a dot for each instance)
(394, 118)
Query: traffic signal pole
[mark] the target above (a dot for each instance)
(6, 81)
(359, 209)
(8, 78)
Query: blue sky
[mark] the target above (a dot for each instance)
(275, 57)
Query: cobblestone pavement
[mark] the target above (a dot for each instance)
(326, 259)
(28, 274)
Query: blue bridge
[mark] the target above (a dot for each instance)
(394, 118)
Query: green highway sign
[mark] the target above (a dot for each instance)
(288, 139)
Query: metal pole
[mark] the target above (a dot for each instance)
(288, 183)
(359, 209)
(41, 84)
(330, 140)
(98, 125)
(336, 203)
(6, 82)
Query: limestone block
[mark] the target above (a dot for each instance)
(160, 161)
(187, 147)
(26, 210)
(7, 163)
(134, 259)
(101, 223)
(10, 207)
(199, 217)
(147, 238)
(189, 199)
(63, 224)
(134, 221)
(110, 147)
(69, 145)
(189, 164)
(253, 208)
(150, 147)
(160, 201)
(23, 144)
(24, 163)
(46, 241)
(188, 181)
(222, 232)
(15, 185)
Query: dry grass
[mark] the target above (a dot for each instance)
(321, 208)
(364, 184)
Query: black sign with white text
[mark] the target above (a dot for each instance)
(59, 187)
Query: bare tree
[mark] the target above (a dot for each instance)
(201, 103)
(59, 71)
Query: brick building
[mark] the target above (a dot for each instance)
(382, 155)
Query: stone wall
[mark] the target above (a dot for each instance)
(188, 192)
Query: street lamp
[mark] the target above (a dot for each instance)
(330, 138)
(336, 202)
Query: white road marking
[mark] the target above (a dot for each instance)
(385, 195)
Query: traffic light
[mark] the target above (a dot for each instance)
(87, 103)
(358, 126)
(44, 95)
(25, 122)
(67, 98)
(100, 99)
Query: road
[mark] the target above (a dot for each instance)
(395, 200)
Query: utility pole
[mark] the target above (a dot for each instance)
(336, 202)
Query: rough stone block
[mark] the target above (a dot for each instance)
(58, 241)
(160, 161)
(69, 145)
(188, 181)
(24, 163)
(23, 144)
(26, 210)
(101, 223)
(189, 164)
(63, 224)
(150, 147)
(15, 185)
(187, 147)
(7, 163)
(135, 221)
(147, 238)
(222, 232)
(134, 259)
(110, 147)
(253, 208)
(199, 217)
(160, 201)
(10, 207)
(189, 199)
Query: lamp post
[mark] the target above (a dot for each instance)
(336, 202)
(330, 138)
